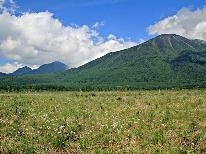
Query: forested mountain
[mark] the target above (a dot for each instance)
(166, 61)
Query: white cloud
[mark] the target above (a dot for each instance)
(38, 38)
(2, 3)
(112, 37)
(191, 24)
(98, 24)
(141, 41)
(10, 67)
(8, 5)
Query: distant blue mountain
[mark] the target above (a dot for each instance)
(54, 67)
(50, 68)
(3, 74)
(21, 71)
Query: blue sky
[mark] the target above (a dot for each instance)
(124, 18)
(34, 32)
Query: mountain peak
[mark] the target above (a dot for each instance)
(56, 62)
(22, 71)
(169, 37)
(25, 67)
(53, 67)
(173, 43)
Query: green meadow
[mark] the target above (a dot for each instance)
(103, 122)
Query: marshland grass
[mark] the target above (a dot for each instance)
(103, 122)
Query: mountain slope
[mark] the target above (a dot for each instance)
(150, 64)
(54, 67)
(163, 62)
(50, 68)
(3, 74)
(21, 71)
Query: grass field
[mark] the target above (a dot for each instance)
(103, 122)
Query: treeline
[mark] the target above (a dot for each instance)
(18, 88)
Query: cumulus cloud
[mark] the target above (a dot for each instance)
(141, 41)
(8, 5)
(111, 37)
(191, 24)
(38, 38)
(10, 67)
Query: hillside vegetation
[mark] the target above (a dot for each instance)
(167, 61)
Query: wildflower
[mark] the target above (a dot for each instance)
(115, 124)
(163, 125)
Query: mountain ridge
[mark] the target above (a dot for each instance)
(165, 61)
(54, 67)
(21, 71)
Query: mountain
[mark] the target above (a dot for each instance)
(54, 67)
(50, 68)
(21, 71)
(166, 61)
(3, 74)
